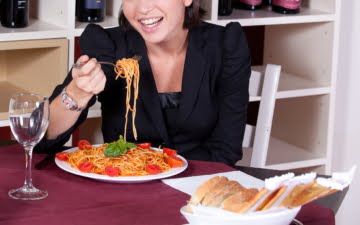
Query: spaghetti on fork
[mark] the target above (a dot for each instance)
(128, 69)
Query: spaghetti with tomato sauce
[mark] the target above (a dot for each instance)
(135, 162)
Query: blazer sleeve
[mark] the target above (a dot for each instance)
(225, 143)
(96, 43)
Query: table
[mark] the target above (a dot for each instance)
(81, 201)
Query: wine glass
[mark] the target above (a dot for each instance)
(29, 119)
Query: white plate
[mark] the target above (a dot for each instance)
(121, 179)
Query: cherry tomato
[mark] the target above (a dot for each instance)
(153, 169)
(174, 161)
(145, 145)
(86, 167)
(169, 151)
(63, 156)
(88, 147)
(112, 171)
(84, 145)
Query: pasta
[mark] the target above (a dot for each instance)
(135, 162)
(128, 68)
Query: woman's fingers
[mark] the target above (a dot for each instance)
(94, 85)
(100, 85)
(86, 68)
(90, 76)
(83, 59)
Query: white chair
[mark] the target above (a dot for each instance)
(263, 84)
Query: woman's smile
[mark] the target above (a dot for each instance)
(150, 24)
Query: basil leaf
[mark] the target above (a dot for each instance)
(118, 147)
(130, 145)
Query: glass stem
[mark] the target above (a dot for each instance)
(28, 158)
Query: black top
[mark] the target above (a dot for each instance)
(170, 102)
(211, 115)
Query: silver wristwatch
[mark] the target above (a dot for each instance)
(69, 103)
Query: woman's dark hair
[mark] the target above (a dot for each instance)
(193, 15)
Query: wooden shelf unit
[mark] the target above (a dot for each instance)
(30, 66)
(304, 44)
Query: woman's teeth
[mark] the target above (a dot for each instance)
(150, 22)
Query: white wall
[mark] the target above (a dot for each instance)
(347, 118)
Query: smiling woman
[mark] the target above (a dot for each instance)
(193, 86)
(192, 16)
(157, 20)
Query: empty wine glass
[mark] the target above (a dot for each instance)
(29, 119)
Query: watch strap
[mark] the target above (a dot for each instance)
(69, 102)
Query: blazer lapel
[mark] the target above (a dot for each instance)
(194, 69)
(147, 87)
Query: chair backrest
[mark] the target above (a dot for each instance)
(265, 83)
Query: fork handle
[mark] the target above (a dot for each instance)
(78, 65)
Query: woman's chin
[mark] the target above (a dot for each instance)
(154, 38)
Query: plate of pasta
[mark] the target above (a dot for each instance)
(139, 163)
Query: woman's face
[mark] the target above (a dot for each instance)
(156, 20)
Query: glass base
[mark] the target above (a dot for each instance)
(25, 193)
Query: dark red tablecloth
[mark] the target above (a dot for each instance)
(79, 201)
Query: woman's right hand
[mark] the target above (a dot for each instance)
(88, 80)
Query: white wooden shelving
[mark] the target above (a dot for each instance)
(267, 17)
(304, 44)
(29, 66)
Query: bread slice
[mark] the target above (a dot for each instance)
(206, 187)
(242, 200)
(288, 200)
(271, 199)
(216, 196)
(309, 194)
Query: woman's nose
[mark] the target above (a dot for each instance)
(145, 6)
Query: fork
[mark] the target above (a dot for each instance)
(78, 65)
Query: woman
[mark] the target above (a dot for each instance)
(194, 76)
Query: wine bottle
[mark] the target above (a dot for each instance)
(91, 10)
(266, 2)
(247, 4)
(225, 7)
(286, 6)
(14, 13)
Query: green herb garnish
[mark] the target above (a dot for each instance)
(119, 147)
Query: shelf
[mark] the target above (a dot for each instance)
(35, 66)
(254, 99)
(299, 133)
(4, 123)
(291, 86)
(282, 155)
(109, 21)
(37, 29)
(7, 90)
(298, 164)
(268, 17)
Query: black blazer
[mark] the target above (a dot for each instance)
(213, 104)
